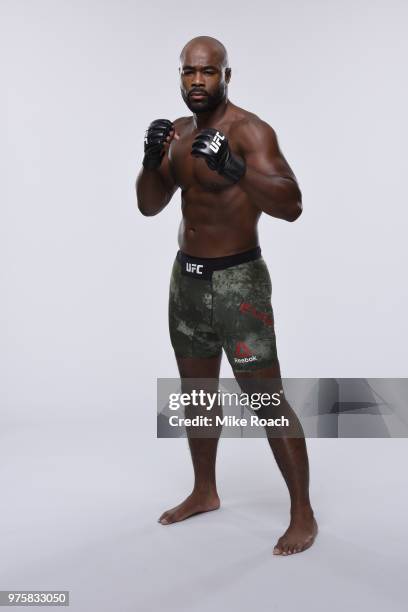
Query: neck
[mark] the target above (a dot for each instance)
(203, 120)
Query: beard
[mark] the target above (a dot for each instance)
(209, 103)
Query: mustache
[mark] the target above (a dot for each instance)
(197, 91)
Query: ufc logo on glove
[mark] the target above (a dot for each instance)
(216, 142)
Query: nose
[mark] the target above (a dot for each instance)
(198, 80)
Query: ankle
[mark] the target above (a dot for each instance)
(207, 489)
(301, 511)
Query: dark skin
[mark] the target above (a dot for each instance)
(220, 218)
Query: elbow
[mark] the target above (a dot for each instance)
(296, 214)
(295, 210)
(149, 209)
(148, 205)
(294, 206)
(142, 209)
(145, 211)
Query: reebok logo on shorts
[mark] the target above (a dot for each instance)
(220, 303)
(243, 354)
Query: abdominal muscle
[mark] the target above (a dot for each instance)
(215, 225)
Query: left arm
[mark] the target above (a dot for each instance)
(268, 179)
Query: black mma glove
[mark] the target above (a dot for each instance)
(212, 145)
(154, 140)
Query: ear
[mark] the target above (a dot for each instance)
(227, 75)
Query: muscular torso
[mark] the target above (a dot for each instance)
(218, 218)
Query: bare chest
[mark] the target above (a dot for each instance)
(189, 171)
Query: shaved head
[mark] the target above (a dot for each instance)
(207, 45)
(204, 73)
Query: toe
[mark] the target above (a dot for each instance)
(165, 518)
(279, 547)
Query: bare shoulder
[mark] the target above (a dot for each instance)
(182, 122)
(251, 132)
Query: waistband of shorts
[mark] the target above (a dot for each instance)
(210, 264)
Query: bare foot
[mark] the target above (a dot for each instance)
(194, 504)
(299, 536)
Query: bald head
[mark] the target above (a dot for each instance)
(206, 46)
(204, 73)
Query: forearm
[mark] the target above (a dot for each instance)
(273, 194)
(152, 192)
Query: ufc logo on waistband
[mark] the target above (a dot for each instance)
(216, 142)
(192, 267)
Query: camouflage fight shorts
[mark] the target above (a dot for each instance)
(223, 302)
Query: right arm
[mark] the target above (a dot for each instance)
(155, 186)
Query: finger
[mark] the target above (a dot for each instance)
(198, 154)
(199, 151)
(200, 142)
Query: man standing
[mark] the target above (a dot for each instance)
(229, 167)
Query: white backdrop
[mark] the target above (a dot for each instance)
(85, 276)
